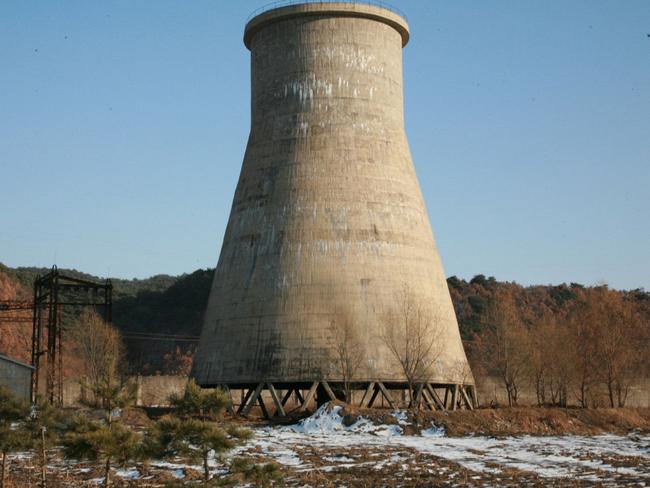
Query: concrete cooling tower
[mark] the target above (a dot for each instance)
(328, 251)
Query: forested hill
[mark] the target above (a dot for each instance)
(175, 305)
(161, 303)
(25, 276)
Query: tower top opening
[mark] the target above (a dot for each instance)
(369, 10)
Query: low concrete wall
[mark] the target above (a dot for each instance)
(154, 391)
(151, 391)
(72, 392)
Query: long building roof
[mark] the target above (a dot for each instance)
(15, 361)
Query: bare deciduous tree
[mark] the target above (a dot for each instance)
(582, 323)
(99, 345)
(412, 331)
(537, 351)
(559, 357)
(504, 344)
(618, 344)
(587, 345)
(178, 362)
(348, 350)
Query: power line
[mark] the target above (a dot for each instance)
(159, 337)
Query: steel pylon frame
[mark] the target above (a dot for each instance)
(53, 292)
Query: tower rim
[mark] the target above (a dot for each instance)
(368, 10)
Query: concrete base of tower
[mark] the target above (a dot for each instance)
(284, 399)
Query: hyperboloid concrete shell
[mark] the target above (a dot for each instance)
(327, 219)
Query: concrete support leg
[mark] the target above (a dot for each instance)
(309, 396)
(265, 411)
(427, 399)
(386, 394)
(468, 402)
(434, 396)
(299, 399)
(251, 402)
(286, 397)
(279, 409)
(374, 396)
(366, 396)
(244, 401)
(328, 391)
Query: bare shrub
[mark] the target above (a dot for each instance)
(619, 344)
(583, 322)
(412, 333)
(99, 346)
(504, 342)
(178, 362)
(348, 350)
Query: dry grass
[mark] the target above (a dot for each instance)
(542, 421)
(520, 420)
(395, 466)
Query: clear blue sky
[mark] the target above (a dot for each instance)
(123, 126)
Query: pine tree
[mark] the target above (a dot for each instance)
(196, 428)
(46, 425)
(13, 416)
(262, 475)
(196, 402)
(110, 441)
(108, 444)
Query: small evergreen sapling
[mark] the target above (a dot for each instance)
(13, 416)
(46, 425)
(110, 441)
(198, 403)
(196, 428)
(261, 475)
(108, 444)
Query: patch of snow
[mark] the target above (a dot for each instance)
(272, 448)
(328, 420)
(325, 420)
(177, 469)
(401, 416)
(338, 459)
(20, 456)
(576, 457)
(129, 474)
(433, 432)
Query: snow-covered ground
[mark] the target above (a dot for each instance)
(322, 451)
(324, 443)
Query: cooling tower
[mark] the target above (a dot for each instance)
(328, 223)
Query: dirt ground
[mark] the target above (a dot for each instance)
(531, 420)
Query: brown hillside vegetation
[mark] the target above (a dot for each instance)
(9, 289)
(572, 345)
(568, 343)
(15, 337)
